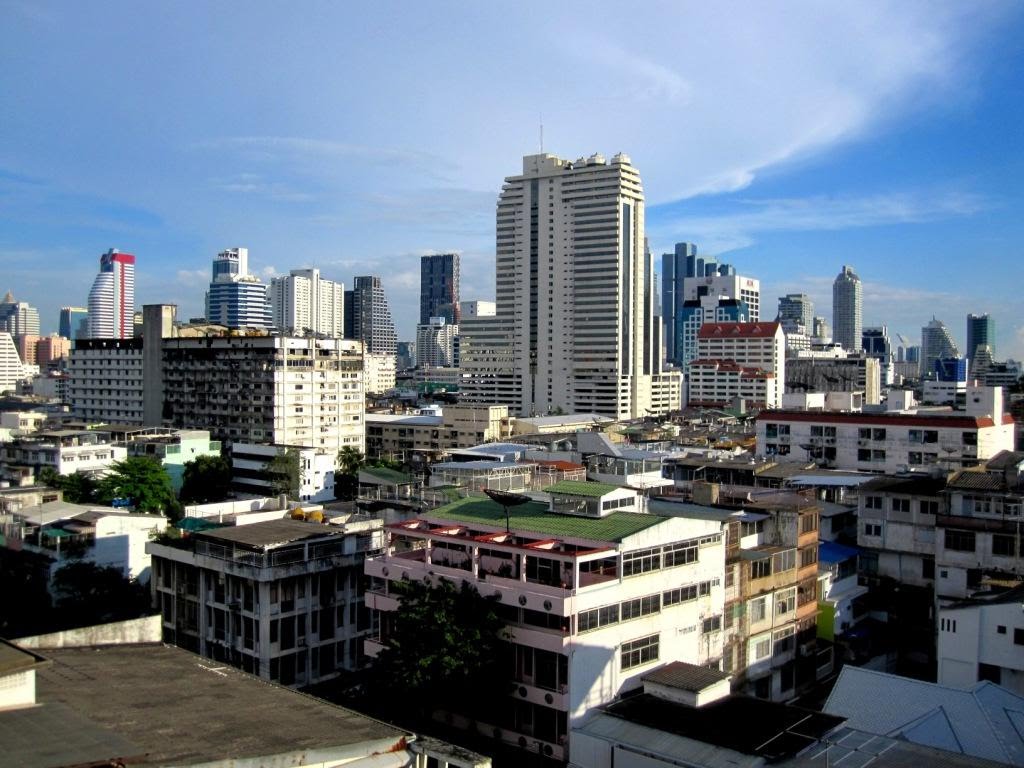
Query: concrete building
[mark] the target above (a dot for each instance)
(834, 370)
(435, 343)
(592, 603)
(796, 313)
(280, 599)
(981, 331)
(18, 318)
(251, 472)
(105, 380)
(303, 302)
(876, 343)
(738, 360)
(378, 373)
(368, 317)
(439, 288)
(236, 299)
(847, 308)
(886, 442)
(56, 533)
(570, 236)
(11, 368)
(981, 639)
(65, 451)
(174, 449)
(423, 438)
(112, 298)
(478, 308)
(936, 344)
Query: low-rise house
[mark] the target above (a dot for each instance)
(174, 448)
(982, 638)
(593, 596)
(281, 599)
(841, 602)
(65, 451)
(251, 470)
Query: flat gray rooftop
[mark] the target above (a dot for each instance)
(271, 533)
(160, 705)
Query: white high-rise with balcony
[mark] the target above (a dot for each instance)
(303, 301)
(847, 309)
(575, 324)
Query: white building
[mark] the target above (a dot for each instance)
(62, 532)
(983, 639)
(887, 442)
(594, 596)
(11, 369)
(575, 324)
(378, 372)
(435, 343)
(745, 360)
(478, 308)
(847, 308)
(236, 299)
(316, 470)
(303, 301)
(105, 380)
(112, 298)
(65, 451)
(936, 344)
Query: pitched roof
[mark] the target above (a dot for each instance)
(687, 677)
(738, 330)
(981, 722)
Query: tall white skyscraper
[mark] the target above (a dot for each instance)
(112, 298)
(236, 299)
(304, 301)
(575, 324)
(936, 344)
(847, 307)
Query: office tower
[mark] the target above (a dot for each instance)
(981, 329)
(471, 309)
(876, 343)
(822, 330)
(305, 302)
(796, 313)
(439, 287)
(675, 267)
(847, 306)
(936, 344)
(405, 356)
(112, 298)
(72, 321)
(236, 299)
(368, 318)
(574, 288)
(18, 318)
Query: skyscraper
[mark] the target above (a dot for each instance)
(981, 329)
(936, 344)
(847, 305)
(796, 310)
(236, 299)
(18, 318)
(675, 267)
(574, 328)
(71, 321)
(368, 317)
(112, 298)
(303, 301)
(439, 288)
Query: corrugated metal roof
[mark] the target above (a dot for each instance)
(581, 488)
(688, 677)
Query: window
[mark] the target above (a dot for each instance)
(1001, 629)
(929, 507)
(785, 601)
(679, 595)
(872, 529)
(970, 438)
(784, 561)
(760, 569)
(763, 648)
(638, 652)
(863, 454)
(947, 625)
(872, 502)
(960, 541)
(808, 523)
(680, 554)
(757, 610)
(597, 618)
(901, 505)
(641, 561)
(1003, 544)
(1018, 636)
(641, 606)
(712, 624)
(915, 458)
(808, 556)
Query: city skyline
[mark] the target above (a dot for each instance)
(839, 168)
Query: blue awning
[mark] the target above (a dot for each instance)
(831, 552)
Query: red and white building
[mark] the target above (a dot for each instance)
(112, 298)
(738, 360)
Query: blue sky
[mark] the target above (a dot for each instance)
(788, 139)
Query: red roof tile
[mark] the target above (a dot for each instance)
(737, 330)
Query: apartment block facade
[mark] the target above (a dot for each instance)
(105, 383)
(733, 360)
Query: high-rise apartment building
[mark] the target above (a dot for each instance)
(847, 309)
(112, 298)
(796, 313)
(435, 343)
(303, 301)
(236, 299)
(439, 287)
(18, 318)
(368, 317)
(936, 344)
(72, 321)
(981, 329)
(574, 328)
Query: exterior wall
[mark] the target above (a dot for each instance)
(379, 372)
(105, 382)
(18, 689)
(459, 427)
(303, 301)
(316, 470)
(979, 634)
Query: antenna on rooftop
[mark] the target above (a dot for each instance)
(542, 134)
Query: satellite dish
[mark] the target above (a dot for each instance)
(507, 500)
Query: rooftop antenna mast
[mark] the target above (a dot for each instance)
(542, 134)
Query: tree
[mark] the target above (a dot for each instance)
(142, 480)
(206, 479)
(77, 488)
(346, 473)
(283, 473)
(445, 650)
(88, 594)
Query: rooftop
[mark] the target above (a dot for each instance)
(687, 677)
(534, 517)
(14, 659)
(977, 479)
(159, 705)
(581, 488)
(271, 533)
(738, 330)
(920, 485)
(947, 419)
